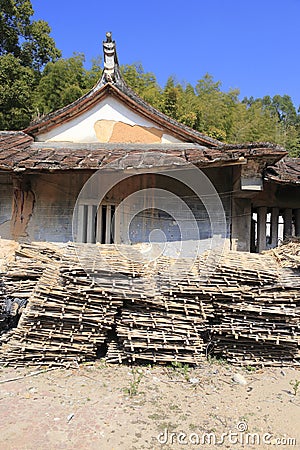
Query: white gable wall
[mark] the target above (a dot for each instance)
(82, 128)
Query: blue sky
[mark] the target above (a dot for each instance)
(250, 45)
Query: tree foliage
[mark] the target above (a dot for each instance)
(16, 85)
(25, 38)
(25, 48)
(62, 82)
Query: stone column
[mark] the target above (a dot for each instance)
(81, 224)
(288, 222)
(261, 228)
(90, 235)
(297, 222)
(274, 227)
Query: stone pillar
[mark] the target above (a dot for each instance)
(261, 228)
(297, 222)
(288, 222)
(90, 235)
(274, 227)
(81, 224)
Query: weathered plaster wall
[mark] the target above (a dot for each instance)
(23, 206)
(55, 196)
(45, 202)
(6, 202)
(144, 222)
(112, 131)
(109, 121)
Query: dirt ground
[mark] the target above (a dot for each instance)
(142, 407)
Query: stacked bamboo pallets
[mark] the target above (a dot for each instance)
(256, 310)
(65, 320)
(20, 277)
(87, 301)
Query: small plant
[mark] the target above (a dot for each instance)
(137, 375)
(250, 369)
(173, 407)
(295, 385)
(101, 364)
(156, 416)
(215, 360)
(183, 369)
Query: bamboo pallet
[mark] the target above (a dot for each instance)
(85, 301)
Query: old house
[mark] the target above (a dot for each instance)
(142, 158)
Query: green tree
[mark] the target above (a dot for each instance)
(216, 108)
(25, 47)
(171, 98)
(61, 83)
(188, 108)
(285, 109)
(16, 86)
(143, 83)
(253, 122)
(25, 38)
(279, 121)
(93, 75)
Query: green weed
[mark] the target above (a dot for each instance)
(137, 375)
(295, 385)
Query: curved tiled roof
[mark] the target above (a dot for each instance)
(286, 171)
(19, 152)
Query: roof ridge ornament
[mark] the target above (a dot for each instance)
(110, 58)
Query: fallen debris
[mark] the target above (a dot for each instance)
(238, 378)
(288, 254)
(27, 375)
